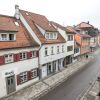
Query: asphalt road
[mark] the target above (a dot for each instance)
(76, 84)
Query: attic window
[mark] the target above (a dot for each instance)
(27, 14)
(16, 23)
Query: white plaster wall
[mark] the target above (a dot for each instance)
(17, 67)
(17, 50)
(68, 43)
(45, 59)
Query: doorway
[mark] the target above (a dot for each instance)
(10, 84)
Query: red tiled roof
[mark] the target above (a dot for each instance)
(23, 39)
(62, 27)
(71, 29)
(40, 20)
(33, 19)
(7, 24)
(74, 31)
(84, 25)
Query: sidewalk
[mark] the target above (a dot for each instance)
(44, 86)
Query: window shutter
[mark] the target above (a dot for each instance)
(2, 60)
(37, 53)
(18, 79)
(29, 75)
(28, 55)
(16, 57)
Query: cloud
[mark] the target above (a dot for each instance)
(69, 12)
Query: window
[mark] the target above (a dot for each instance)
(33, 54)
(49, 68)
(46, 51)
(22, 56)
(62, 48)
(47, 35)
(76, 50)
(23, 77)
(70, 37)
(34, 73)
(69, 48)
(51, 35)
(9, 58)
(57, 49)
(11, 37)
(55, 35)
(52, 51)
(7, 37)
(3, 37)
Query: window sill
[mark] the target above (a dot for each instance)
(7, 40)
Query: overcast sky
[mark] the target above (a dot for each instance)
(65, 12)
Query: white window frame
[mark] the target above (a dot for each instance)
(14, 37)
(34, 73)
(7, 39)
(22, 55)
(23, 77)
(34, 54)
(9, 59)
(51, 35)
(1, 39)
(62, 48)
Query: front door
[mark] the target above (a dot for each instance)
(10, 84)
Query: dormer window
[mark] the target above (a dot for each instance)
(3, 37)
(7, 37)
(51, 35)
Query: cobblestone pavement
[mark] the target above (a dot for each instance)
(44, 86)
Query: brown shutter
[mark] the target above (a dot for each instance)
(16, 57)
(18, 79)
(29, 55)
(2, 60)
(29, 75)
(37, 53)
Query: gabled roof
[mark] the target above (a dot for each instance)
(40, 20)
(68, 30)
(83, 25)
(7, 23)
(74, 31)
(23, 39)
(71, 29)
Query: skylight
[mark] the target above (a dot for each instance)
(27, 14)
(16, 23)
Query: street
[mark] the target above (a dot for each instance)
(75, 85)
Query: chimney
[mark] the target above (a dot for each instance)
(88, 22)
(17, 14)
